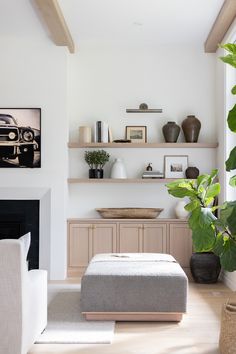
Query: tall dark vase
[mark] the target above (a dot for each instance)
(191, 127)
(205, 267)
(171, 132)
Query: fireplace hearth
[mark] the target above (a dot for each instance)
(17, 217)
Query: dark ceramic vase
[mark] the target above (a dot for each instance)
(192, 172)
(205, 267)
(191, 127)
(171, 132)
(95, 173)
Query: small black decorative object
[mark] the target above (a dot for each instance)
(149, 167)
(192, 172)
(171, 132)
(122, 141)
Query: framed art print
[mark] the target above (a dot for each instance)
(20, 137)
(175, 166)
(137, 134)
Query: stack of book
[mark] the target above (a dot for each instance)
(152, 174)
(102, 133)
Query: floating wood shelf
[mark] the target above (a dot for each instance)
(142, 145)
(120, 180)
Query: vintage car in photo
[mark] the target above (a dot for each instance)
(16, 141)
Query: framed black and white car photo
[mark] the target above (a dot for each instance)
(20, 137)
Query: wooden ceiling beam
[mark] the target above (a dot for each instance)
(221, 25)
(50, 12)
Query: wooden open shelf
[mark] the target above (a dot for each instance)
(142, 145)
(120, 180)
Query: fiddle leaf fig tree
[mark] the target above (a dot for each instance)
(211, 233)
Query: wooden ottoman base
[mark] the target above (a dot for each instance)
(133, 316)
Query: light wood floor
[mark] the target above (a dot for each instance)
(198, 333)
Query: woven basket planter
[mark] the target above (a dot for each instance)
(227, 341)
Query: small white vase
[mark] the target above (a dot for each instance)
(180, 212)
(118, 169)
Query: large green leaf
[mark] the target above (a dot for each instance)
(181, 192)
(227, 257)
(229, 59)
(203, 239)
(230, 164)
(233, 90)
(231, 119)
(214, 173)
(174, 184)
(202, 179)
(231, 220)
(219, 244)
(181, 188)
(203, 231)
(232, 181)
(230, 47)
(213, 190)
(225, 212)
(192, 205)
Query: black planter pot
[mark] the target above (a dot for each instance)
(95, 173)
(205, 267)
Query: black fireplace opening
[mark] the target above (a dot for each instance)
(18, 217)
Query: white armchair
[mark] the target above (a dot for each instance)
(23, 299)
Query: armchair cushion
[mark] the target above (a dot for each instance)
(26, 240)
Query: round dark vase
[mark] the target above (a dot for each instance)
(191, 127)
(171, 132)
(192, 172)
(205, 267)
(95, 173)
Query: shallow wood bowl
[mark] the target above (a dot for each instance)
(129, 213)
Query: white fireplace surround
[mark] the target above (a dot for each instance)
(44, 197)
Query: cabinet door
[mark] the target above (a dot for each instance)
(103, 239)
(154, 238)
(130, 238)
(78, 248)
(180, 243)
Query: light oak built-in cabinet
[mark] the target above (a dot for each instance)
(87, 237)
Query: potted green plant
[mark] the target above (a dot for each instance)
(212, 234)
(96, 160)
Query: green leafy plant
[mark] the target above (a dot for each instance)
(211, 233)
(96, 158)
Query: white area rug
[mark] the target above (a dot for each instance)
(67, 325)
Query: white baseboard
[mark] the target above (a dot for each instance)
(229, 280)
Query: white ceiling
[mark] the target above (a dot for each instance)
(127, 21)
(141, 21)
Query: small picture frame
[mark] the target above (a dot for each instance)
(175, 166)
(137, 134)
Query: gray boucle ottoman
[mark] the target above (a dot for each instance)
(134, 286)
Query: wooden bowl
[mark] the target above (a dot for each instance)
(129, 213)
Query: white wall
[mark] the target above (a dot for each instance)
(104, 81)
(33, 74)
